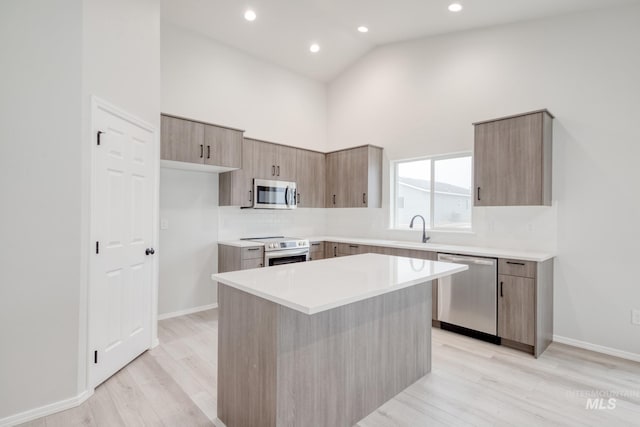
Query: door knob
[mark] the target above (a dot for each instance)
(149, 251)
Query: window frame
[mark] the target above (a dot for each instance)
(431, 220)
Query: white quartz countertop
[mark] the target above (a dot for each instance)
(433, 247)
(313, 287)
(437, 247)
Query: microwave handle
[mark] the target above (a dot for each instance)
(286, 195)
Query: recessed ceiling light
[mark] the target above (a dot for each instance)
(455, 7)
(363, 29)
(250, 15)
(314, 48)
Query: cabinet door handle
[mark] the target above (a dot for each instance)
(298, 200)
(250, 195)
(334, 199)
(273, 170)
(354, 246)
(515, 263)
(201, 150)
(501, 293)
(364, 198)
(335, 249)
(253, 249)
(315, 244)
(208, 151)
(278, 170)
(478, 193)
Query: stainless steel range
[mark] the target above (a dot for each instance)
(283, 250)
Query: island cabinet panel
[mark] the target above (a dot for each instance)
(247, 359)
(310, 178)
(338, 366)
(236, 187)
(190, 141)
(281, 367)
(354, 178)
(512, 160)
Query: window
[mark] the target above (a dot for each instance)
(438, 188)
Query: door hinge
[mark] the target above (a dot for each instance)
(95, 357)
(97, 247)
(98, 138)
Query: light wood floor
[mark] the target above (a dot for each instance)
(472, 384)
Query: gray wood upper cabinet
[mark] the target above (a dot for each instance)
(310, 178)
(274, 161)
(235, 188)
(223, 147)
(189, 141)
(181, 140)
(512, 160)
(354, 178)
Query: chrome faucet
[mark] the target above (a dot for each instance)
(424, 227)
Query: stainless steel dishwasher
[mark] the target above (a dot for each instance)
(470, 299)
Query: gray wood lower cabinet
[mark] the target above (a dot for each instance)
(525, 304)
(316, 251)
(330, 369)
(194, 142)
(234, 258)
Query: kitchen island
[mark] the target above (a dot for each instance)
(322, 343)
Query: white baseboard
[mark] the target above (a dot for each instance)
(187, 311)
(597, 348)
(43, 411)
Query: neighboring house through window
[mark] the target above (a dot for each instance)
(438, 188)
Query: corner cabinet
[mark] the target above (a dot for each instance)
(354, 178)
(512, 160)
(187, 142)
(310, 178)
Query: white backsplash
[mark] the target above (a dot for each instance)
(235, 223)
(522, 228)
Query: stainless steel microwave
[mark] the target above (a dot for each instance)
(274, 194)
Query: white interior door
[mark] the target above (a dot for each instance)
(120, 290)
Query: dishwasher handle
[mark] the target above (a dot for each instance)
(474, 261)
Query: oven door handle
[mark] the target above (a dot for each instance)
(286, 253)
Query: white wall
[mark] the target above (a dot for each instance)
(40, 175)
(420, 97)
(205, 80)
(188, 255)
(56, 55)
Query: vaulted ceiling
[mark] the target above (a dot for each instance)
(284, 29)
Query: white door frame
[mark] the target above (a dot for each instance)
(98, 103)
